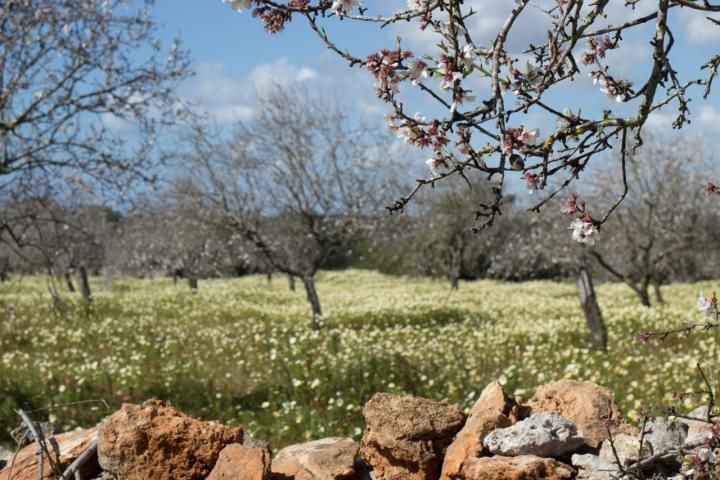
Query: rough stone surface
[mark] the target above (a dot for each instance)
(663, 433)
(627, 448)
(592, 467)
(238, 462)
(326, 459)
(526, 467)
(492, 410)
(155, 440)
(405, 437)
(584, 403)
(69, 445)
(697, 429)
(545, 434)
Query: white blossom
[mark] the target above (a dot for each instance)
(343, 7)
(468, 55)
(448, 80)
(705, 305)
(418, 71)
(417, 4)
(583, 232)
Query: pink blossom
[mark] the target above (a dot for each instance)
(418, 71)
(448, 80)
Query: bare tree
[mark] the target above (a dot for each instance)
(443, 243)
(662, 218)
(71, 72)
(296, 183)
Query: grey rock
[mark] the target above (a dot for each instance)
(697, 429)
(627, 448)
(544, 434)
(592, 467)
(251, 442)
(663, 434)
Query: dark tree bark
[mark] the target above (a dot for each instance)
(193, 283)
(291, 282)
(68, 280)
(312, 296)
(84, 284)
(456, 267)
(658, 294)
(269, 276)
(591, 310)
(644, 294)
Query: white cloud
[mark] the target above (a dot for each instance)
(708, 117)
(229, 98)
(698, 29)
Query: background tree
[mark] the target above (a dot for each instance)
(444, 244)
(297, 183)
(664, 219)
(71, 72)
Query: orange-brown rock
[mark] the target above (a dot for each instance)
(585, 403)
(524, 467)
(492, 410)
(69, 445)
(237, 462)
(326, 459)
(156, 441)
(405, 437)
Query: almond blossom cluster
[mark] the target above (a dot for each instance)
(343, 7)
(615, 88)
(384, 67)
(584, 227)
(521, 139)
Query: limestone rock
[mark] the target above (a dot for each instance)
(525, 467)
(69, 445)
(697, 429)
(326, 459)
(592, 467)
(543, 434)
(155, 440)
(584, 403)
(492, 410)
(627, 448)
(663, 433)
(405, 437)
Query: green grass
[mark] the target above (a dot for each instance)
(241, 351)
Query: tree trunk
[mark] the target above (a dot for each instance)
(68, 280)
(269, 276)
(193, 283)
(84, 284)
(314, 300)
(658, 294)
(644, 295)
(291, 282)
(454, 282)
(591, 309)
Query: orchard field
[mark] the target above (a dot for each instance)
(241, 351)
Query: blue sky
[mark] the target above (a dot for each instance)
(234, 57)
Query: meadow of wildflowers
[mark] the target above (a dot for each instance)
(241, 351)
